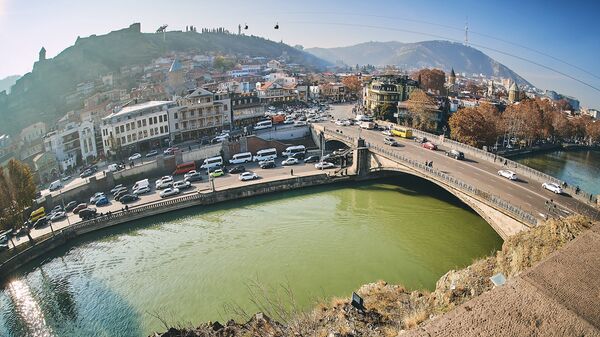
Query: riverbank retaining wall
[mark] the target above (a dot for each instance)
(28, 252)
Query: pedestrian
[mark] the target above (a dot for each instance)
(291, 172)
(495, 156)
(190, 147)
(505, 162)
(551, 201)
(126, 208)
(577, 190)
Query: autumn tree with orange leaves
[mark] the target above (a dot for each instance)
(353, 84)
(430, 79)
(476, 126)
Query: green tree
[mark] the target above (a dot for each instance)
(16, 195)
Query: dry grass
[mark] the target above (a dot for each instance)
(415, 318)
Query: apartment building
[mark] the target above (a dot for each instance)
(72, 144)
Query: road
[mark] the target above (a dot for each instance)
(526, 194)
(204, 186)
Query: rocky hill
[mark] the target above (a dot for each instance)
(8, 82)
(40, 95)
(438, 54)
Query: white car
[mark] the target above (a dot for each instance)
(553, 187)
(182, 185)
(164, 184)
(288, 121)
(135, 156)
(169, 192)
(57, 216)
(323, 165)
(189, 174)
(164, 179)
(507, 174)
(141, 190)
(386, 132)
(300, 123)
(290, 161)
(248, 176)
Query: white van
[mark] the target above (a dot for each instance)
(55, 185)
(212, 162)
(266, 154)
(292, 150)
(263, 125)
(140, 184)
(241, 158)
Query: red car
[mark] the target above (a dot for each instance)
(430, 146)
(79, 208)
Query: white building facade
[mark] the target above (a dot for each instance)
(72, 145)
(136, 128)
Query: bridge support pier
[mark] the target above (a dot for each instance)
(361, 158)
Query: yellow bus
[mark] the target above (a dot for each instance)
(402, 132)
(38, 213)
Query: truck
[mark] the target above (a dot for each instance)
(278, 119)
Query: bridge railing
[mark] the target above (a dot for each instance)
(523, 170)
(471, 190)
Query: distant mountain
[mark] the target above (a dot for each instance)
(438, 54)
(40, 95)
(8, 82)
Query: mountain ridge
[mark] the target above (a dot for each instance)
(425, 54)
(8, 82)
(40, 94)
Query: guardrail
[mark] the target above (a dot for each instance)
(466, 188)
(519, 168)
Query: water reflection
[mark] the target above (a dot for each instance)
(28, 310)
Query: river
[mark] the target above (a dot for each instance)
(194, 265)
(577, 168)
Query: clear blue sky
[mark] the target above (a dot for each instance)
(566, 30)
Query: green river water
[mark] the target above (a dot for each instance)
(189, 266)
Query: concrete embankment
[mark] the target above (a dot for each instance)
(28, 252)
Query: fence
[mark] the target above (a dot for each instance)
(523, 170)
(468, 189)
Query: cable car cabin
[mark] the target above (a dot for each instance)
(402, 132)
(184, 168)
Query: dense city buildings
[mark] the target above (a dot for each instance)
(73, 145)
(201, 113)
(385, 92)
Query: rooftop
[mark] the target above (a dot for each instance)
(138, 107)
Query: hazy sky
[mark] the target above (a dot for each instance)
(568, 31)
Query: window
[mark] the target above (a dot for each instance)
(162, 130)
(132, 125)
(144, 122)
(155, 120)
(165, 117)
(122, 128)
(139, 124)
(225, 107)
(145, 133)
(134, 137)
(175, 115)
(192, 113)
(140, 135)
(128, 138)
(156, 130)
(127, 126)
(176, 126)
(160, 119)
(151, 132)
(117, 131)
(123, 140)
(166, 128)
(150, 120)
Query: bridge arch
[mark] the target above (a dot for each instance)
(334, 144)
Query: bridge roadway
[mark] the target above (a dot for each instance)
(526, 194)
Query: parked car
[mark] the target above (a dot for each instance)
(182, 185)
(217, 167)
(238, 169)
(121, 193)
(152, 153)
(323, 165)
(248, 176)
(87, 213)
(66, 178)
(290, 161)
(311, 159)
(267, 164)
(420, 139)
(390, 141)
(102, 201)
(508, 174)
(58, 216)
(79, 207)
(128, 198)
(120, 190)
(3, 242)
(430, 146)
(298, 155)
(217, 173)
(116, 189)
(41, 222)
(458, 155)
(553, 187)
(57, 208)
(141, 190)
(97, 196)
(71, 205)
(170, 151)
(193, 177)
(164, 182)
(189, 173)
(135, 156)
(86, 173)
(169, 192)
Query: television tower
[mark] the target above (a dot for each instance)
(467, 31)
